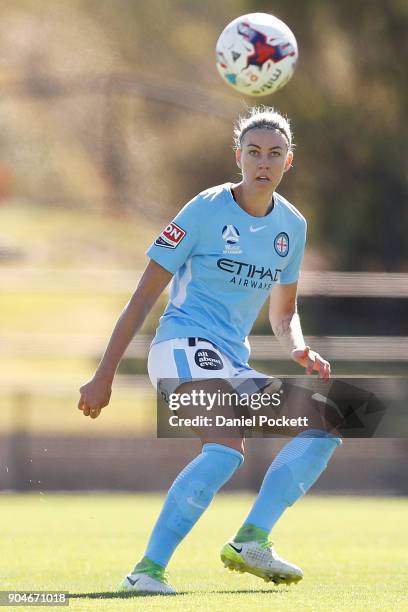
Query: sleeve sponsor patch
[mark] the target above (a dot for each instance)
(170, 237)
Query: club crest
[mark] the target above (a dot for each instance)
(281, 244)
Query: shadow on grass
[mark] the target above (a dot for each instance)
(133, 595)
(120, 595)
(274, 591)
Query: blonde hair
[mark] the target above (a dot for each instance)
(262, 117)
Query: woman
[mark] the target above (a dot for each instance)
(228, 249)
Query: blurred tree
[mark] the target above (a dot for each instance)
(164, 131)
(348, 101)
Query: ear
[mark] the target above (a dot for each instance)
(238, 157)
(289, 160)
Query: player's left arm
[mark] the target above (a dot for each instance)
(285, 323)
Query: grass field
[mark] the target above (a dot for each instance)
(353, 552)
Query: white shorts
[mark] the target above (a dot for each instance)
(179, 360)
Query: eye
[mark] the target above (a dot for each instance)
(253, 152)
(276, 154)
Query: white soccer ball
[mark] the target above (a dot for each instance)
(256, 54)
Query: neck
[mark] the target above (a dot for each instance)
(255, 204)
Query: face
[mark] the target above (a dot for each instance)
(263, 159)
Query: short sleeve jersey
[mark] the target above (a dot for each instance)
(225, 263)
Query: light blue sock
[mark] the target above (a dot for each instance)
(189, 496)
(294, 470)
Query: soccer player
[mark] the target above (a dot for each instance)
(226, 251)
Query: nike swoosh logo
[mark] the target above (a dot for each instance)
(133, 582)
(256, 229)
(191, 501)
(238, 550)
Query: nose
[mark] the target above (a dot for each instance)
(264, 163)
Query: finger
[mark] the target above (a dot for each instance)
(322, 369)
(95, 412)
(86, 409)
(318, 363)
(81, 403)
(310, 365)
(326, 370)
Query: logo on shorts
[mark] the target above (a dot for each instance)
(281, 244)
(230, 234)
(208, 360)
(170, 237)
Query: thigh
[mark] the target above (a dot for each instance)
(286, 402)
(218, 408)
(292, 402)
(184, 365)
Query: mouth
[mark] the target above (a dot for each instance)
(262, 179)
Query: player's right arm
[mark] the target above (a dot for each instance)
(95, 394)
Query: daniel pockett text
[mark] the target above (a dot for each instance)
(209, 400)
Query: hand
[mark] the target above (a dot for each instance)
(95, 395)
(312, 361)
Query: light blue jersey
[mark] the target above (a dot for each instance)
(225, 263)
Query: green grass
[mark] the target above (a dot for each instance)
(352, 550)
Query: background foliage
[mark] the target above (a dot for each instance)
(116, 108)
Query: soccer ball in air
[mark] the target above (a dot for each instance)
(256, 54)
